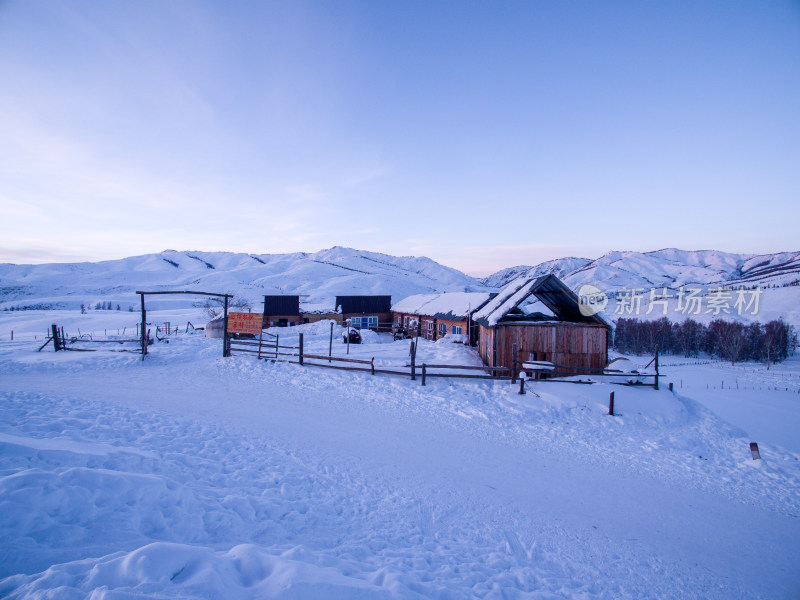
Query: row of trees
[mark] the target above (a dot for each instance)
(102, 306)
(728, 340)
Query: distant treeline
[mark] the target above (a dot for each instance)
(728, 340)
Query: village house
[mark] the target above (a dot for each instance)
(541, 318)
(363, 311)
(431, 316)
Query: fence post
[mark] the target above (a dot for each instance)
(611, 404)
(424, 369)
(521, 384)
(56, 340)
(300, 357)
(226, 342)
(277, 345)
(413, 360)
(330, 343)
(372, 365)
(656, 359)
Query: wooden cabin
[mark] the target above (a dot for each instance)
(287, 311)
(282, 311)
(432, 316)
(542, 317)
(365, 312)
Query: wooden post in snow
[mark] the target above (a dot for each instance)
(413, 360)
(423, 373)
(611, 404)
(656, 359)
(144, 327)
(300, 357)
(330, 343)
(226, 344)
(754, 451)
(56, 339)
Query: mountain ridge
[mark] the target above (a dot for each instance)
(317, 276)
(320, 276)
(667, 267)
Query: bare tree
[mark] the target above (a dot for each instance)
(214, 307)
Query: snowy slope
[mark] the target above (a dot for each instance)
(319, 277)
(561, 268)
(193, 476)
(669, 267)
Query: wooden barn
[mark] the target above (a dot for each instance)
(542, 317)
(432, 316)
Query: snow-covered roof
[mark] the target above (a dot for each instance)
(511, 295)
(549, 290)
(449, 305)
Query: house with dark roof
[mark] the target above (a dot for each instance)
(432, 316)
(541, 319)
(365, 312)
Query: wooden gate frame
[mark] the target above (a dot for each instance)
(226, 350)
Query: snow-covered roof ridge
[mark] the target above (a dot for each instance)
(548, 289)
(508, 298)
(445, 305)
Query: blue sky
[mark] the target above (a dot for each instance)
(481, 134)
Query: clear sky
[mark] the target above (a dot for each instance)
(481, 134)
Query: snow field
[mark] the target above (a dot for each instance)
(193, 476)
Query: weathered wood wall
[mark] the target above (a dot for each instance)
(580, 345)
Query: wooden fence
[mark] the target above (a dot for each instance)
(271, 349)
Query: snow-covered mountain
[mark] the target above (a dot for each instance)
(561, 268)
(644, 273)
(669, 268)
(318, 277)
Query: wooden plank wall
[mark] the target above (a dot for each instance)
(578, 345)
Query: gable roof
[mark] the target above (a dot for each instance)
(450, 306)
(364, 304)
(548, 289)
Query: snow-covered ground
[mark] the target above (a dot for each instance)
(189, 475)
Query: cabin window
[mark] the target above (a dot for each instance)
(457, 329)
(442, 328)
(364, 322)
